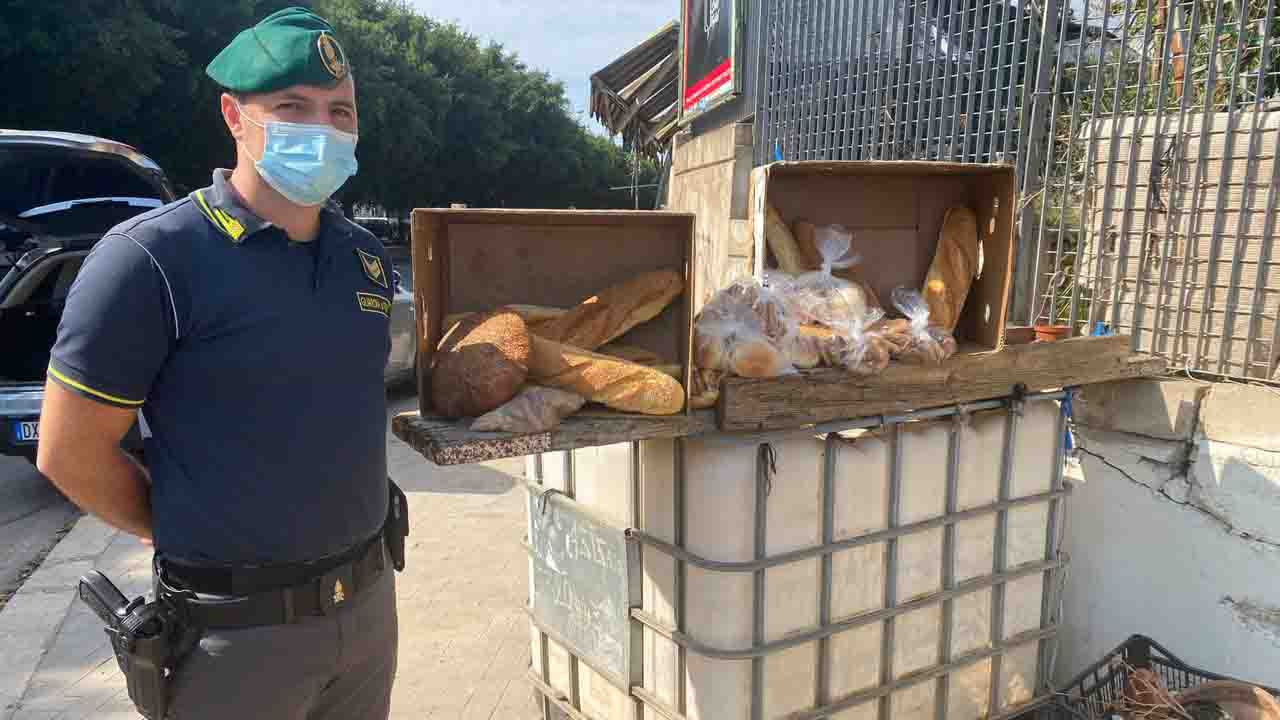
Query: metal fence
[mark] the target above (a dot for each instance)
(1144, 132)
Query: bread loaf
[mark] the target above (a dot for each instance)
(607, 316)
(637, 355)
(805, 348)
(480, 364)
(783, 244)
(870, 299)
(705, 391)
(806, 234)
(619, 384)
(955, 263)
(1238, 700)
(710, 345)
(531, 314)
(757, 358)
(767, 305)
(866, 355)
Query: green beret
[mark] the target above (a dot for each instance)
(290, 47)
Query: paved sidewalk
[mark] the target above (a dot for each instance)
(464, 640)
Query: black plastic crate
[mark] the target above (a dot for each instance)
(1094, 693)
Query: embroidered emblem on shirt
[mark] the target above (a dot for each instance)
(372, 266)
(370, 302)
(339, 593)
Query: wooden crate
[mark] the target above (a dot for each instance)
(468, 260)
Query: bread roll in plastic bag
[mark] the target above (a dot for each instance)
(858, 349)
(736, 344)
(767, 301)
(534, 409)
(743, 331)
(822, 297)
(928, 344)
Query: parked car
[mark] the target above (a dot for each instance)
(59, 192)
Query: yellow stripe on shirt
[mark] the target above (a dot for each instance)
(208, 213)
(97, 393)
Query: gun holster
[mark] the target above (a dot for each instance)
(149, 639)
(397, 525)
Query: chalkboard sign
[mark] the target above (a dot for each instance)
(585, 582)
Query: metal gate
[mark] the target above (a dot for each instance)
(1144, 132)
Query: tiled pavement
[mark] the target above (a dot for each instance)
(464, 640)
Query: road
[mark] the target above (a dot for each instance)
(32, 518)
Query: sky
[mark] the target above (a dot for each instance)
(570, 39)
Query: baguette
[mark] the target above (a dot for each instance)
(531, 314)
(619, 384)
(955, 263)
(783, 244)
(637, 355)
(806, 234)
(605, 317)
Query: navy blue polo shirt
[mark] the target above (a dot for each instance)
(258, 365)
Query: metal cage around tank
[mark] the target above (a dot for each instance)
(669, 579)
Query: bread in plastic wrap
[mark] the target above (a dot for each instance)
(820, 296)
(534, 409)
(704, 392)
(927, 344)
(743, 331)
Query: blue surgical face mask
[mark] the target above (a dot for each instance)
(305, 163)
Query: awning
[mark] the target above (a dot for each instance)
(636, 95)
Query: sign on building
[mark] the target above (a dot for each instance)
(710, 74)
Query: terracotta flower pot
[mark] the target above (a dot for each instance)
(1049, 333)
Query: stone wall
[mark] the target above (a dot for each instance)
(710, 176)
(1174, 525)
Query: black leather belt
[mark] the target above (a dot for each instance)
(318, 592)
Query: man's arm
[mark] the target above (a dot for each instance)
(80, 453)
(116, 332)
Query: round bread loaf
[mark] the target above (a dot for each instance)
(480, 364)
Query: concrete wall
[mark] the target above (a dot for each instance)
(1174, 526)
(710, 176)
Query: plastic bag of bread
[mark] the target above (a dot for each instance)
(864, 351)
(822, 297)
(737, 345)
(767, 301)
(534, 409)
(926, 344)
(853, 345)
(896, 332)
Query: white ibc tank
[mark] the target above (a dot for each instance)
(912, 565)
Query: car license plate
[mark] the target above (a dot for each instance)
(26, 432)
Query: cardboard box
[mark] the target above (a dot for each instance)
(895, 211)
(468, 260)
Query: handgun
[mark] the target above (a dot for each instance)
(104, 598)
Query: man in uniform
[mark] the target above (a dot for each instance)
(249, 323)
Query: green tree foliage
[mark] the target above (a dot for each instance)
(443, 117)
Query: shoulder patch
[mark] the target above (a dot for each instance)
(372, 266)
(374, 303)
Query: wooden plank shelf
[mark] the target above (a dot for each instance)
(451, 442)
(827, 395)
(799, 401)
